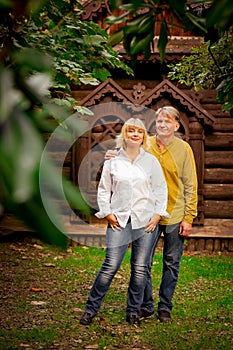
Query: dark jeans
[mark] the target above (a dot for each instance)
(172, 253)
(141, 252)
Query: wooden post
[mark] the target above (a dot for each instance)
(196, 140)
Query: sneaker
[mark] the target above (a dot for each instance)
(133, 319)
(164, 316)
(145, 313)
(86, 318)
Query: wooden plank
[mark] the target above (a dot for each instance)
(8, 224)
(218, 191)
(215, 109)
(218, 209)
(219, 140)
(223, 125)
(67, 172)
(219, 158)
(191, 247)
(217, 245)
(214, 227)
(209, 244)
(218, 175)
(200, 244)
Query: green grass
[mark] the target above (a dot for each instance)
(44, 290)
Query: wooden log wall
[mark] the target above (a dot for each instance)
(218, 180)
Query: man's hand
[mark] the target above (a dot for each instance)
(185, 229)
(113, 222)
(111, 153)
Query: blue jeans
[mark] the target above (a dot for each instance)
(172, 253)
(142, 245)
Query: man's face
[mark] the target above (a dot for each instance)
(166, 125)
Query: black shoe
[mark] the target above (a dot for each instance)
(86, 318)
(164, 316)
(145, 313)
(133, 319)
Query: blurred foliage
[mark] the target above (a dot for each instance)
(210, 19)
(44, 49)
(79, 50)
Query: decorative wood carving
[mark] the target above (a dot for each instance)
(92, 9)
(109, 87)
(179, 96)
(138, 92)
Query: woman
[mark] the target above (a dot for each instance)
(132, 196)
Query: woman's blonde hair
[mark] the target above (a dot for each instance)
(135, 122)
(169, 111)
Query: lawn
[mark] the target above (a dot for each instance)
(44, 290)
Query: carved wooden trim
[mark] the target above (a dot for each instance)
(92, 8)
(167, 87)
(108, 87)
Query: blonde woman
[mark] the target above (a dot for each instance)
(132, 196)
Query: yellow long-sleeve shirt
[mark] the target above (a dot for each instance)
(179, 169)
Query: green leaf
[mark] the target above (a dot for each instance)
(101, 73)
(95, 40)
(115, 4)
(140, 43)
(74, 197)
(226, 85)
(163, 40)
(33, 60)
(33, 213)
(220, 14)
(116, 19)
(115, 38)
(21, 148)
(146, 24)
(177, 5)
(87, 79)
(83, 110)
(133, 5)
(9, 95)
(198, 22)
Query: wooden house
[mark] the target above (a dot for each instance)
(204, 125)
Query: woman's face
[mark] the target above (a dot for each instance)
(135, 135)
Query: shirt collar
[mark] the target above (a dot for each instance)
(122, 153)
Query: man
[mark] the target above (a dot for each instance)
(177, 161)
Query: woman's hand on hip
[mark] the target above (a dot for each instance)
(113, 222)
(150, 227)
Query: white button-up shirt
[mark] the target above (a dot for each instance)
(132, 189)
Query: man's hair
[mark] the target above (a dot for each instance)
(137, 123)
(168, 111)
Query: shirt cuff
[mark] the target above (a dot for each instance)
(101, 214)
(164, 214)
